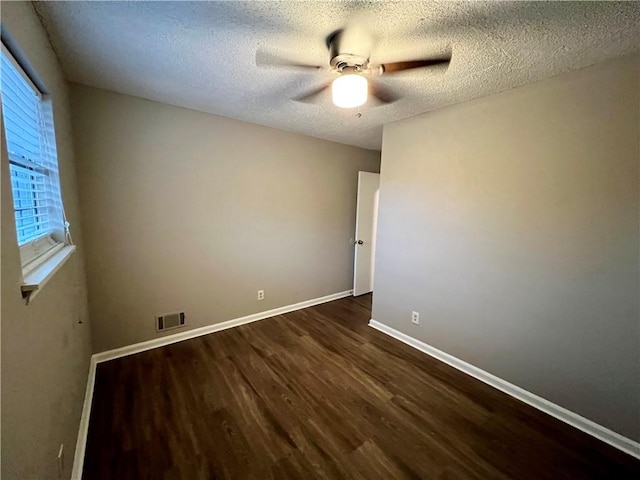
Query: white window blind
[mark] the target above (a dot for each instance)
(33, 165)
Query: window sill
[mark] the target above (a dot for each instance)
(39, 276)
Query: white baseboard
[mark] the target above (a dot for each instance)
(197, 332)
(81, 443)
(602, 433)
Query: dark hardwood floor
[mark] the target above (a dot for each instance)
(318, 394)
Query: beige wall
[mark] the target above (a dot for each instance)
(45, 352)
(188, 211)
(511, 224)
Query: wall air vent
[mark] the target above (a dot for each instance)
(169, 321)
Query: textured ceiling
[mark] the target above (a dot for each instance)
(201, 55)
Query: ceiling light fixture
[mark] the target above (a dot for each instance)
(349, 90)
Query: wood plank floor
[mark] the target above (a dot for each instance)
(318, 394)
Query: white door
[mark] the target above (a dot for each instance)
(366, 220)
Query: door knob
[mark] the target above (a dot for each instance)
(359, 242)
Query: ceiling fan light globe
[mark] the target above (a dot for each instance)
(349, 91)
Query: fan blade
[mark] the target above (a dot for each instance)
(354, 39)
(268, 59)
(388, 68)
(313, 95)
(382, 93)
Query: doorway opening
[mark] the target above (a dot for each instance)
(366, 229)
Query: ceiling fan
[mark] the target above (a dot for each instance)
(350, 69)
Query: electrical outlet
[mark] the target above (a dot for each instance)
(415, 318)
(61, 461)
(260, 294)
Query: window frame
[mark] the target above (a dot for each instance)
(44, 254)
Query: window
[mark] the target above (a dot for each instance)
(41, 227)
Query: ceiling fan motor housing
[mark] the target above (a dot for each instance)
(347, 55)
